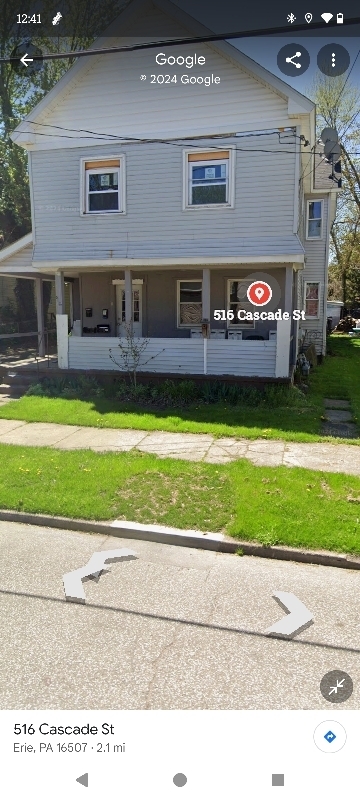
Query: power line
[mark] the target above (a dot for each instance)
(215, 37)
(176, 142)
(347, 78)
(179, 142)
(286, 132)
(302, 177)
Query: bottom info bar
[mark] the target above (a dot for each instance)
(190, 754)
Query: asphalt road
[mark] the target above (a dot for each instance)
(176, 628)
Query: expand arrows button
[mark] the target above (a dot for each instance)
(26, 60)
(297, 618)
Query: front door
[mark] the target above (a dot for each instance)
(136, 309)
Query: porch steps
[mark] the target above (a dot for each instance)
(14, 384)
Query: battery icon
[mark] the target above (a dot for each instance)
(339, 19)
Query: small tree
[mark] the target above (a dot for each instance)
(131, 349)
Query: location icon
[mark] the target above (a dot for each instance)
(259, 293)
(308, 17)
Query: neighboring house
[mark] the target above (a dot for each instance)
(334, 310)
(160, 204)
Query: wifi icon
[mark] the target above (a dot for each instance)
(327, 17)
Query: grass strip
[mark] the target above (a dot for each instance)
(291, 424)
(273, 505)
(295, 417)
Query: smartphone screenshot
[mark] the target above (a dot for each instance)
(179, 399)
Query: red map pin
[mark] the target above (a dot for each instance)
(259, 293)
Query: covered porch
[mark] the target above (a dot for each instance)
(184, 321)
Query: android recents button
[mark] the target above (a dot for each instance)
(278, 780)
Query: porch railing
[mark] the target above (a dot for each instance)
(269, 359)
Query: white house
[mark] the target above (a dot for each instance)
(160, 201)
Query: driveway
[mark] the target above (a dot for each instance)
(177, 628)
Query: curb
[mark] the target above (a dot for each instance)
(176, 536)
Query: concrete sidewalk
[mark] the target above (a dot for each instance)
(187, 446)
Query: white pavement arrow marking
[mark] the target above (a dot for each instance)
(73, 587)
(298, 617)
(26, 60)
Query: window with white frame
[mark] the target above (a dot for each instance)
(135, 305)
(189, 303)
(103, 190)
(314, 219)
(237, 301)
(312, 300)
(208, 178)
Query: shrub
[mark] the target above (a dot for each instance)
(79, 388)
(170, 393)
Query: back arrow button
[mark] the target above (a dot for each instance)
(26, 60)
(26, 55)
(84, 779)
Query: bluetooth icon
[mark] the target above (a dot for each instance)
(291, 18)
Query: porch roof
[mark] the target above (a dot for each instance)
(184, 253)
(127, 247)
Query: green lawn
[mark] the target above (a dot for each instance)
(288, 415)
(295, 507)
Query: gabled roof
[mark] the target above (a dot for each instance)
(323, 170)
(297, 103)
(16, 247)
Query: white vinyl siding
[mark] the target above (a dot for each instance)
(153, 224)
(316, 272)
(180, 356)
(100, 101)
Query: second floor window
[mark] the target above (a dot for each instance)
(103, 186)
(314, 219)
(208, 178)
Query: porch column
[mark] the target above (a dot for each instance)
(128, 298)
(294, 351)
(288, 290)
(60, 293)
(283, 336)
(61, 323)
(40, 315)
(206, 294)
(206, 310)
